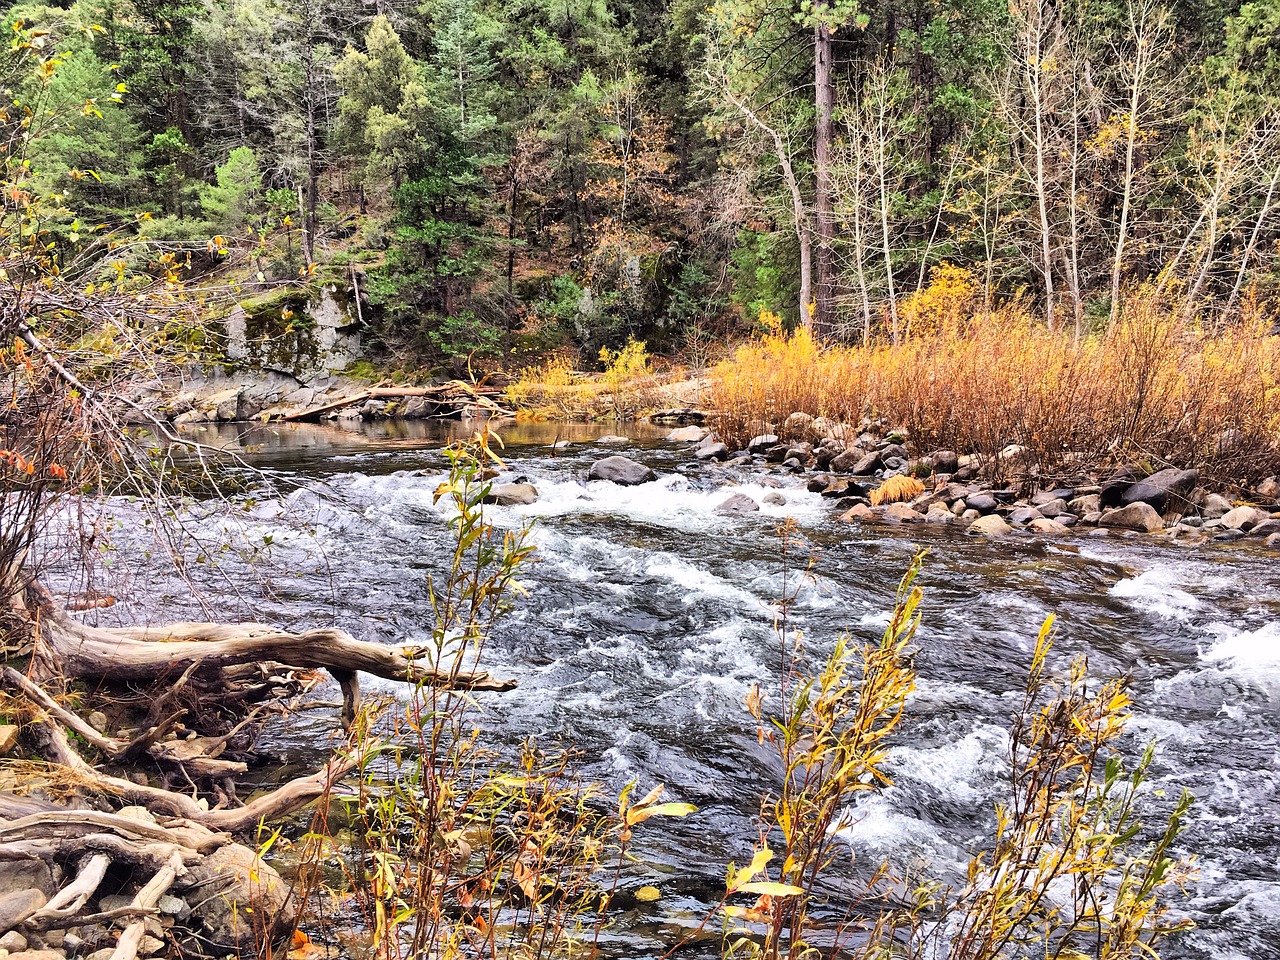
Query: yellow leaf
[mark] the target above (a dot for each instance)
(648, 894)
(770, 889)
(641, 814)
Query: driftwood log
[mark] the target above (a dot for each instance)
(176, 840)
(454, 394)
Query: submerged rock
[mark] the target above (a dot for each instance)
(690, 434)
(737, 504)
(512, 494)
(622, 471)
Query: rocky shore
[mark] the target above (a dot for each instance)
(875, 474)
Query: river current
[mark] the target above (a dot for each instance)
(648, 618)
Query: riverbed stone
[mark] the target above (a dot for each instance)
(1214, 505)
(240, 898)
(1166, 490)
(17, 905)
(938, 513)
(1047, 526)
(622, 471)
(13, 941)
(856, 462)
(1113, 490)
(512, 494)
(989, 526)
(761, 443)
(859, 511)
(737, 504)
(971, 515)
(797, 426)
(902, 513)
(943, 461)
(1266, 528)
(46, 954)
(612, 439)
(774, 499)
(1136, 516)
(982, 502)
(1024, 515)
(1053, 508)
(690, 434)
(712, 451)
(1243, 518)
(1086, 504)
(1273, 542)
(1268, 489)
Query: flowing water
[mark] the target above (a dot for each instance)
(649, 617)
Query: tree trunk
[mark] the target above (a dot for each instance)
(824, 103)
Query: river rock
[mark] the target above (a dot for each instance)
(1048, 527)
(691, 434)
(512, 494)
(241, 897)
(1024, 515)
(970, 515)
(1213, 506)
(838, 487)
(38, 955)
(13, 941)
(1273, 542)
(1266, 528)
(762, 443)
(938, 513)
(982, 502)
(612, 439)
(1165, 490)
(17, 905)
(1054, 508)
(18, 875)
(798, 426)
(1113, 490)
(1089, 503)
(712, 451)
(1244, 518)
(819, 482)
(1135, 516)
(943, 461)
(902, 513)
(854, 461)
(1268, 489)
(622, 471)
(859, 511)
(774, 499)
(989, 526)
(737, 504)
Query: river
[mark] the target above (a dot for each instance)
(648, 618)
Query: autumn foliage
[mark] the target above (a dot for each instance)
(1153, 387)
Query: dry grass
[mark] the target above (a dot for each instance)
(1153, 389)
(629, 386)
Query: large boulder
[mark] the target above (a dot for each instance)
(712, 451)
(991, 525)
(1166, 490)
(512, 494)
(621, 470)
(1244, 518)
(943, 461)
(737, 504)
(857, 462)
(243, 901)
(798, 426)
(1113, 491)
(1135, 516)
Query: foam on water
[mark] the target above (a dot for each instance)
(1247, 650)
(1158, 591)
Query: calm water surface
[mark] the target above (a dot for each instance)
(648, 618)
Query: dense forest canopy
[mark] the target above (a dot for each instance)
(502, 176)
